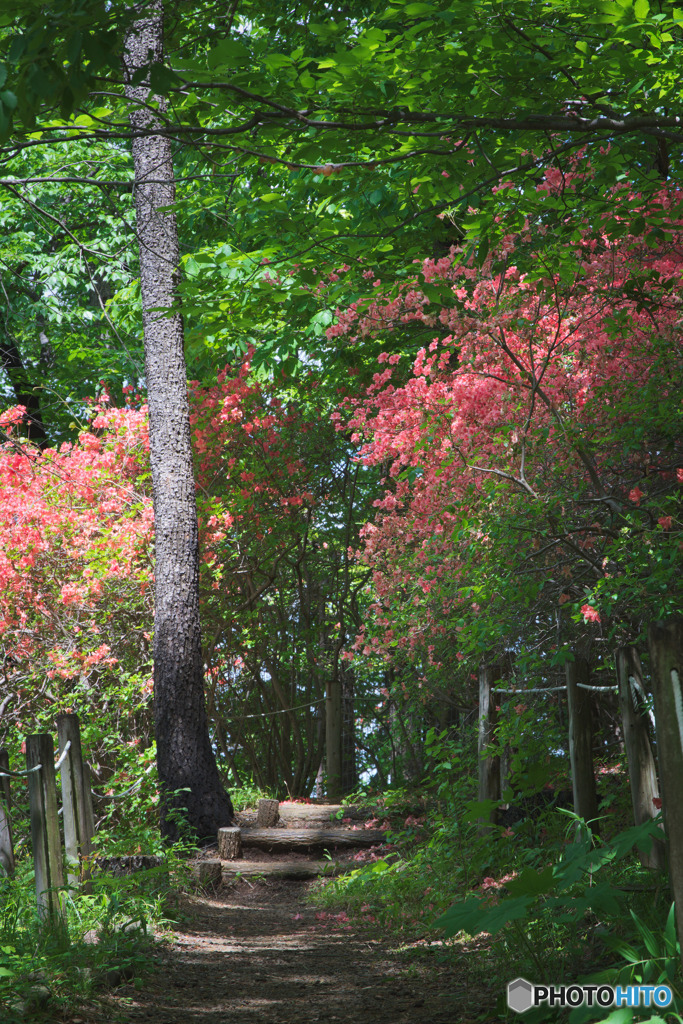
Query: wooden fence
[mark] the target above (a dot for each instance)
(77, 811)
(666, 656)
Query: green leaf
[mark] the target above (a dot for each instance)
(162, 79)
(228, 53)
(641, 9)
(533, 883)
(9, 100)
(651, 944)
(483, 250)
(17, 48)
(670, 930)
(621, 1016)
(275, 61)
(476, 915)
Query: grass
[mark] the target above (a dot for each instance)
(106, 941)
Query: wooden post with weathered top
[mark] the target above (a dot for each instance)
(581, 742)
(489, 768)
(268, 813)
(6, 844)
(230, 843)
(666, 656)
(75, 798)
(641, 763)
(45, 837)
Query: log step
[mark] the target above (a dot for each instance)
(307, 838)
(232, 869)
(320, 812)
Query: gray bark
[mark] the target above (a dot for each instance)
(184, 755)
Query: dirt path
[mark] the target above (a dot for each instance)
(258, 954)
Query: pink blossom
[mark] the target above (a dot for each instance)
(590, 613)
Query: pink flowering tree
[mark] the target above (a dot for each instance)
(75, 589)
(532, 450)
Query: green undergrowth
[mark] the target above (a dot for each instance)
(548, 900)
(247, 795)
(46, 968)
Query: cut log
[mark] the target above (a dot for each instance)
(307, 838)
(206, 872)
(229, 843)
(129, 864)
(268, 813)
(285, 868)
(323, 813)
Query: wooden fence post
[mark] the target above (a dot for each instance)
(45, 838)
(666, 656)
(489, 768)
(641, 763)
(505, 768)
(581, 742)
(89, 812)
(75, 794)
(6, 845)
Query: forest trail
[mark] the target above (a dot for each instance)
(259, 953)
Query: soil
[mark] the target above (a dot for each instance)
(256, 953)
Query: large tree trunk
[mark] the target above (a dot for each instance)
(184, 755)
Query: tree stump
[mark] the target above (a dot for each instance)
(206, 872)
(229, 843)
(268, 813)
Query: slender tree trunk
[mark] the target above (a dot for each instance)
(333, 737)
(349, 771)
(641, 763)
(184, 755)
(489, 765)
(581, 741)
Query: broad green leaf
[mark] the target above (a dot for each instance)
(476, 915)
(229, 53)
(533, 883)
(415, 9)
